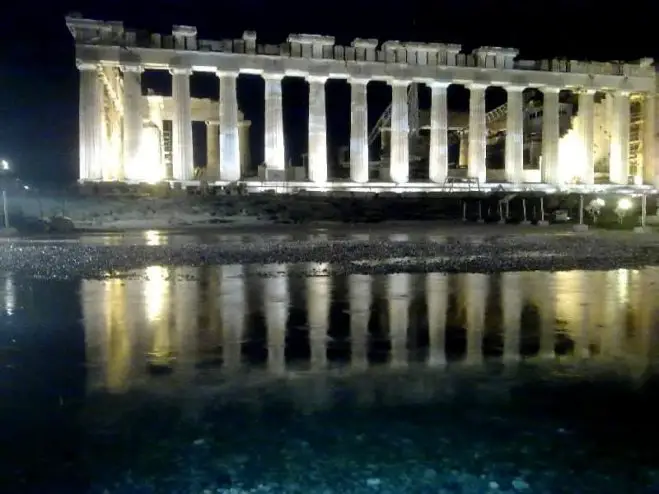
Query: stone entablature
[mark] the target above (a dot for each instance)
(110, 42)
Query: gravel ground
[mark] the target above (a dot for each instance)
(477, 253)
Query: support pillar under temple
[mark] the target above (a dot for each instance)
(182, 158)
(358, 131)
(550, 136)
(619, 154)
(438, 156)
(399, 162)
(132, 102)
(212, 151)
(229, 137)
(90, 122)
(587, 131)
(317, 130)
(275, 154)
(477, 133)
(514, 166)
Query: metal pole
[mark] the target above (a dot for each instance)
(464, 210)
(542, 209)
(524, 208)
(580, 209)
(5, 208)
(480, 210)
(644, 209)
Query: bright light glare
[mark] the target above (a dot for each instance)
(599, 202)
(5, 164)
(152, 167)
(625, 204)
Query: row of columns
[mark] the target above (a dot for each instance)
(229, 146)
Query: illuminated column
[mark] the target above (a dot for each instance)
(182, 160)
(477, 133)
(276, 301)
(360, 298)
(476, 288)
(358, 131)
(212, 151)
(229, 136)
(90, 122)
(586, 112)
(511, 306)
(398, 297)
(132, 102)
(463, 158)
(317, 130)
(437, 303)
(319, 296)
(650, 148)
(438, 166)
(515, 135)
(619, 155)
(399, 162)
(275, 157)
(233, 303)
(550, 136)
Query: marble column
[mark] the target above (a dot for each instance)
(229, 135)
(619, 153)
(438, 158)
(399, 161)
(463, 158)
(317, 130)
(212, 151)
(182, 159)
(650, 148)
(90, 122)
(550, 136)
(358, 131)
(133, 124)
(275, 155)
(477, 133)
(515, 135)
(587, 134)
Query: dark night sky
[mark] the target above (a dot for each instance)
(38, 78)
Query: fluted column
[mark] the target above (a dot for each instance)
(619, 154)
(463, 158)
(399, 162)
(317, 130)
(132, 169)
(275, 155)
(550, 136)
(515, 135)
(212, 151)
(650, 148)
(182, 160)
(358, 131)
(90, 122)
(587, 131)
(438, 158)
(477, 133)
(229, 135)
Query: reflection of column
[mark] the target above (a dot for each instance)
(511, 306)
(515, 135)
(319, 294)
(119, 348)
(545, 291)
(550, 135)
(229, 136)
(91, 126)
(276, 301)
(182, 159)
(476, 288)
(317, 130)
(650, 164)
(360, 297)
(186, 309)
(132, 120)
(158, 306)
(275, 158)
(399, 162)
(233, 308)
(477, 133)
(437, 302)
(212, 152)
(619, 157)
(358, 131)
(586, 112)
(398, 298)
(438, 166)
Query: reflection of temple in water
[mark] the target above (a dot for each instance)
(276, 321)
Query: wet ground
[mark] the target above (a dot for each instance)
(305, 378)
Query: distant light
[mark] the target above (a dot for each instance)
(26, 187)
(625, 204)
(5, 165)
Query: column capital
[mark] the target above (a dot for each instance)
(476, 86)
(82, 65)
(514, 88)
(399, 82)
(320, 79)
(273, 76)
(226, 73)
(439, 84)
(359, 81)
(180, 70)
(550, 89)
(135, 68)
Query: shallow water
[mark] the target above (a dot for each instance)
(296, 378)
